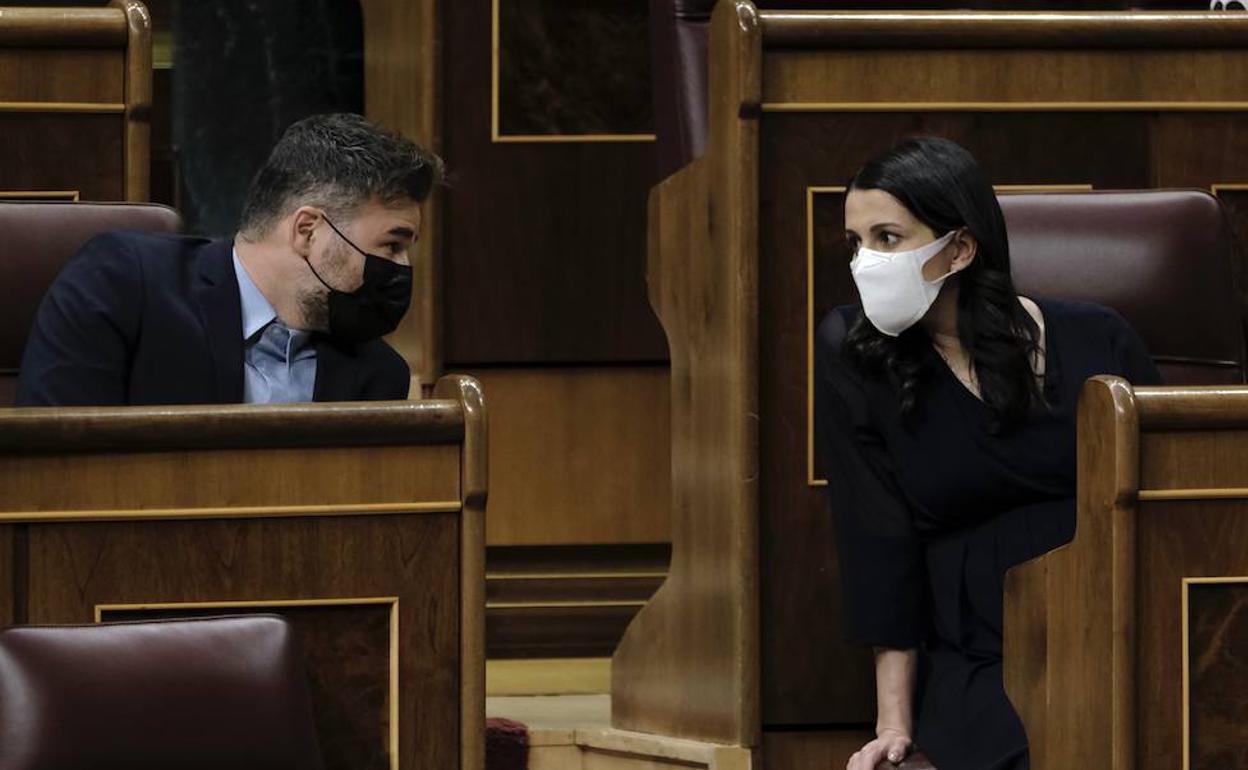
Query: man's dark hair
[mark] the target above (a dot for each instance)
(336, 162)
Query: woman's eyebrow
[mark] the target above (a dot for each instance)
(883, 225)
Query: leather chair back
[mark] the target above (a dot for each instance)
(201, 694)
(36, 240)
(1161, 258)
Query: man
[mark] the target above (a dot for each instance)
(291, 310)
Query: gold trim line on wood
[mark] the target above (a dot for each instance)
(83, 107)
(1141, 106)
(1187, 582)
(570, 138)
(811, 192)
(53, 195)
(499, 138)
(227, 604)
(231, 512)
(569, 605)
(1224, 493)
(1187, 681)
(1218, 187)
(576, 576)
(392, 601)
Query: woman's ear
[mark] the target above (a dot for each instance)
(965, 247)
(302, 226)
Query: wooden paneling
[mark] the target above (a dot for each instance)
(688, 664)
(92, 76)
(1218, 672)
(566, 601)
(544, 242)
(75, 100)
(364, 476)
(1028, 78)
(573, 68)
(814, 750)
(1178, 540)
(402, 91)
(78, 152)
(74, 567)
(578, 456)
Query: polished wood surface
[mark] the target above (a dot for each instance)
(63, 27)
(688, 664)
(1053, 29)
(75, 100)
(1097, 634)
(543, 254)
(1023, 79)
(87, 76)
(580, 455)
(359, 504)
(402, 91)
(138, 125)
(570, 601)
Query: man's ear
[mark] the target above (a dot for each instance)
(302, 227)
(965, 248)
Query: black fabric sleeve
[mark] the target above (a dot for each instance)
(79, 348)
(880, 556)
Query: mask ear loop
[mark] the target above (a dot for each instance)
(951, 270)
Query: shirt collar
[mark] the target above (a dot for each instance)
(257, 312)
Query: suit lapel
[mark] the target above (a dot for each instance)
(335, 372)
(220, 311)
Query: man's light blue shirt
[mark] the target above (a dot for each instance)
(279, 364)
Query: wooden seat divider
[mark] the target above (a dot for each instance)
(362, 523)
(1125, 649)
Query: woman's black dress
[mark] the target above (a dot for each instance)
(931, 511)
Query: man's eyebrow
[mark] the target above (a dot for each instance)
(403, 232)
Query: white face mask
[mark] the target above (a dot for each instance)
(895, 295)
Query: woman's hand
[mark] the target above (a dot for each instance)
(891, 744)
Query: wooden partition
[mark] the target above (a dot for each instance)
(361, 523)
(1125, 650)
(747, 254)
(75, 102)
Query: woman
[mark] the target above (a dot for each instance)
(946, 409)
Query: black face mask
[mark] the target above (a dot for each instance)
(374, 309)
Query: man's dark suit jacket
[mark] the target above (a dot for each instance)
(156, 319)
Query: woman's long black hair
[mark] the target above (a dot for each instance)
(940, 183)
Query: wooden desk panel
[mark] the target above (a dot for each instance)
(363, 522)
(76, 569)
(89, 77)
(236, 483)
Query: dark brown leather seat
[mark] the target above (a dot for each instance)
(36, 240)
(1162, 258)
(207, 693)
